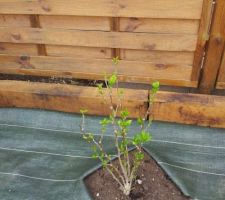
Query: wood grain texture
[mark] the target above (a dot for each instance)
(18, 49)
(148, 25)
(14, 20)
(203, 110)
(147, 41)
(75, 22)
(215, 50)
(78, 52)
(67, 98)
(96, 69)
(220, 85)
(190, 9)
(19, 21)
(221, 77)
(160, 57)
(35, 23)
(203, 35)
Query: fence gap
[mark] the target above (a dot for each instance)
(35, 23)
(115, 26)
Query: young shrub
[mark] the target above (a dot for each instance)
(119, 122)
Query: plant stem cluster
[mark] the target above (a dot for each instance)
(119, 123)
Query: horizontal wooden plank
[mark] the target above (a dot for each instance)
(190, 9)
(14, 20)
(147, 41)
(159, 25)
(183, 108)
(18, 49)
(220, 85)
(67, 98)
(75, 22)
(204, 110)
(78, 52)
(166, 57)
(96, 69)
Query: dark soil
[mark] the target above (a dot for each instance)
(153, 184)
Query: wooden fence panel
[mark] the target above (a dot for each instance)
(155, 39)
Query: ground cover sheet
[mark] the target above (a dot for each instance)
(43, 156)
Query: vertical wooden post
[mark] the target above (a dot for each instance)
(215, 50)
(207, 11)
(35, 23)
(221, 77)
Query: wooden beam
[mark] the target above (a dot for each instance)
(96, 69)
(147, 41)
(215, 50)
(203, 37)
(190, 9)
(203, 110)
(194, 109)
(221, 77)
(67, 98)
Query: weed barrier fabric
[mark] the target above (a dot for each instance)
(43, 156)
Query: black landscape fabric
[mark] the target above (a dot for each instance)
(43, 156)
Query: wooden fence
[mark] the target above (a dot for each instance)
(156, 39)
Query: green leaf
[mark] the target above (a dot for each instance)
(85, 137)
(88, 137)
(83, 111)
(155, 86)
(112, 80)
(124, 114)
(116, 60)
(100, 87)
(123, 144)
(94, 155)
(139, 156)
(141, 138)
(105, 122)
(124, 123)
(140, 121)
